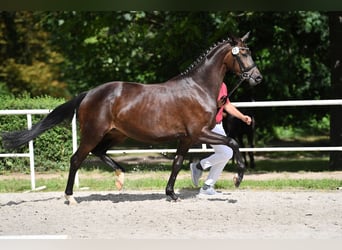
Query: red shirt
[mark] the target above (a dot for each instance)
(223, 92)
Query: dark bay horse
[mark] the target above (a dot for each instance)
(182, 108)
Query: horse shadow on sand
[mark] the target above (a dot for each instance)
(17, 203)
(118, 197)
(184, 194)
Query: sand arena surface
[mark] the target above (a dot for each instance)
(236, 214)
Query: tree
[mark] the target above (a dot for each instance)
(335, 25)
(141, 46)
(28, 61)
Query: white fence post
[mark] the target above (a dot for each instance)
(74, 145)
(31, 153)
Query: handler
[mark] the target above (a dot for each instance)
(222, 153)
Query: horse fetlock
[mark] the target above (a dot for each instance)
(237, 179)
(119, 182)
(171, 195)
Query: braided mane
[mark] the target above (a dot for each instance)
(204, 55)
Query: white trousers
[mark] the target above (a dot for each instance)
(218, 160)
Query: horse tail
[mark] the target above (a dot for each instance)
(65, 111)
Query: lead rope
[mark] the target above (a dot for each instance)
(237, 85)
(242, 78)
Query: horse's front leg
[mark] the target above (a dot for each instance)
(210, 137)
(176, 166)
(239, 160)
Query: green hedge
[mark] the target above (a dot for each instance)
(52, 149)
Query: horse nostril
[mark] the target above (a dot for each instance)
(258, 79)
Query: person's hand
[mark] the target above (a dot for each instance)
(222, 101)
(247, 119)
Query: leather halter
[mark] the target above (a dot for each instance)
(235, 52)
(244, 70)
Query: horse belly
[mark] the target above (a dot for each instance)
(152, 131)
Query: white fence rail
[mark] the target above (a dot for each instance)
(204, 148)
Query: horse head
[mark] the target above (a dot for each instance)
(239, 60)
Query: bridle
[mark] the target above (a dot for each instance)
(236, 52)
(244, 75)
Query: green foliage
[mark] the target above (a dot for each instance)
(29, 63)
(292, 52)
(91, 48)
(4, 91)
(314, 127)
(52, 149)
(129, 45)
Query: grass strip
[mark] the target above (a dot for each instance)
(151, 183)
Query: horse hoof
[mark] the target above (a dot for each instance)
(70, 199)
(177, 200)
(173, 198)
(236, 180)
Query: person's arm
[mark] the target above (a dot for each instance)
(231, 109)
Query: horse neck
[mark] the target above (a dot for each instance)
(210, 73)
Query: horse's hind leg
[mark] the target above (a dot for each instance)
(112, 138)
(75, 162)
(87, 144)
(110, 162)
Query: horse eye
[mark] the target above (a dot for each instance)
(248, 53)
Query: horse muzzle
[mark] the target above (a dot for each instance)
(253, 79)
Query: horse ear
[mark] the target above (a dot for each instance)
(233, 39)
(245, 37)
